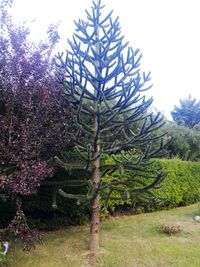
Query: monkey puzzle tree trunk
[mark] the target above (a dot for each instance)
(95, 205)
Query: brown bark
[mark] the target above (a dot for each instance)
(95, 210)
(95, 203)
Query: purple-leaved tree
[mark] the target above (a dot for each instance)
(33, 117)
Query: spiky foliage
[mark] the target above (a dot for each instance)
(104, 85)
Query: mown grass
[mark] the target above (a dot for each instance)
(129, 241)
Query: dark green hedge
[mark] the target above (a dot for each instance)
(181, 187)
(39, 211)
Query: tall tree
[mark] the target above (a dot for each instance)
(187, 113)
(103, 83)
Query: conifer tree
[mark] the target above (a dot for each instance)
(187, 113)
(103, 84)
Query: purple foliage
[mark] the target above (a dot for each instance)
(33, 117)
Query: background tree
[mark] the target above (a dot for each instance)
(105, 88)
(186, 141)
(33, 117)
(187, 113)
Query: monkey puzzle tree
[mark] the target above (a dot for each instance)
(103, 83)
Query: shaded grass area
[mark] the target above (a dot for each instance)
(129, 241)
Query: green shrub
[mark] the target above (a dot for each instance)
(182, 184)
(180, 187)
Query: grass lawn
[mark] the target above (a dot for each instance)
(128, 241)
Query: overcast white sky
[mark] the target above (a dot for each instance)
(166, 31)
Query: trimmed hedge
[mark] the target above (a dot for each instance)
(180, 187)
(182, 184)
